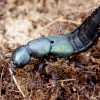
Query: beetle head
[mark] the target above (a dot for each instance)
(20, 57)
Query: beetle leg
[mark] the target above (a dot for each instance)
(92, 83)
(54, 82)
(76, 63)
(41, 66)
(38, 71)
(50, 70)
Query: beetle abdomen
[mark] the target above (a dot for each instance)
(86, 34)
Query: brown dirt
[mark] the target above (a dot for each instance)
(24, 20)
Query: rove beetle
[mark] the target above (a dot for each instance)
(65, 45)
(62, 46)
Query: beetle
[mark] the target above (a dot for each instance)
(62, 45)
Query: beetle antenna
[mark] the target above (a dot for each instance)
(12, 69)
(4, 55)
